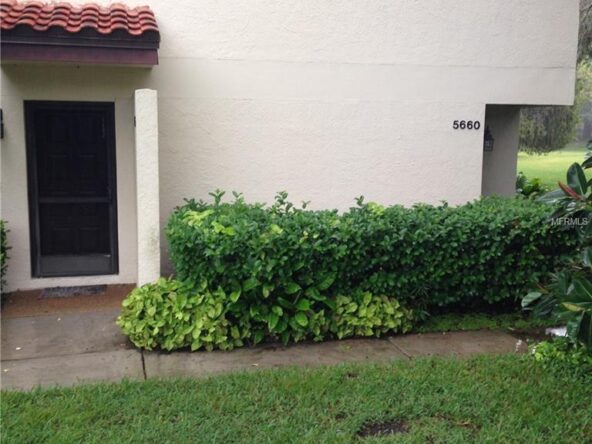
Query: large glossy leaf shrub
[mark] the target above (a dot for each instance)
(567, 296)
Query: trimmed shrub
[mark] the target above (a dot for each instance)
(170, 314)
(248, 273)
(484, 252)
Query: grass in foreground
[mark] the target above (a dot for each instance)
(551, 168)
(485, 399)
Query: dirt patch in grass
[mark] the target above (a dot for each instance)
(383, 428)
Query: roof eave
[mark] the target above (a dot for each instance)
(139, 57)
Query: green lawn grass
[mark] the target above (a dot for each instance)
(551, 167)
(504, 399)
(480, 321)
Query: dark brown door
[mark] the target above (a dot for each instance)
(72, 190)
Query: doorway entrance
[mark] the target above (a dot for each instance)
(72, 188)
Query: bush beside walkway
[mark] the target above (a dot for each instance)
(247, 273)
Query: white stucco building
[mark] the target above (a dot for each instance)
(112, 116)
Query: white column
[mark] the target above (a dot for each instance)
(499, 165)
(147, 195)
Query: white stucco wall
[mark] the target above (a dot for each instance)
(330, 100)
(327, 100)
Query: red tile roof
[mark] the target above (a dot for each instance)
(104, 20)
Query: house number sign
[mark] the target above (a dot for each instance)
(466, 125)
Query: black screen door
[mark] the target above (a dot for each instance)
(72, 189)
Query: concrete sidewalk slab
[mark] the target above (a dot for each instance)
(268, 356)
(25, 374)
(89, 347)
(57, 335)
(460, 343)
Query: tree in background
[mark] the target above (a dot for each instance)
(585, 36)
(549, 128)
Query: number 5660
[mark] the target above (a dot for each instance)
(466, 124)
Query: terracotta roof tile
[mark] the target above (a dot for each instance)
(104, 20)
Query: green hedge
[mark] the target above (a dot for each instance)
(483, 252)
(246, 272)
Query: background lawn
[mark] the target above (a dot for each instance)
(521, 321)
(551, 167)
(486, 399)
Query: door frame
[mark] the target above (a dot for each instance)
(30, 106)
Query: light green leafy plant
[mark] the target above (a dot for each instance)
(169, 314)
(364, 314)
(562, 355)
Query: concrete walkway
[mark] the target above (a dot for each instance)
(88, 347)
